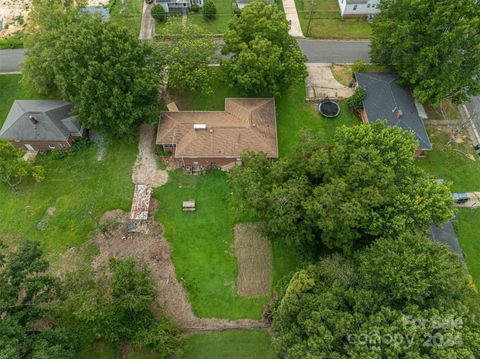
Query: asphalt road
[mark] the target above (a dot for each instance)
(327, 51)
(473, 108)
(316, 51)
(10, 60)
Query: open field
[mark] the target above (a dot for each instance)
(217, 25)
(467, 232)
(327, 23)
(240, 344)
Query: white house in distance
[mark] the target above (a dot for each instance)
(178, 6)
(359, 7)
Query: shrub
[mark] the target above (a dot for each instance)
(237, 11)
(59, 155)
(79, 146)
(195, 8)
(359, 66)
(209, 10)
(355, 102)
(158, 13)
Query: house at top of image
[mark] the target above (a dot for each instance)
(359, 7)
(178, 6)
(387, 100)
(207, 139)
(41, 125)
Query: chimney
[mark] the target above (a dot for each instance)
(34, 120)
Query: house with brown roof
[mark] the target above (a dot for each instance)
(206, 139)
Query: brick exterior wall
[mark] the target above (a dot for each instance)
(44, 145)
(206, 162)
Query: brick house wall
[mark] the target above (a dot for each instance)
(45, 145)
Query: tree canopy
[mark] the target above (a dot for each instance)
(28, 296)
(433, 45)
(188, 52)
(265, 58)
(401, 298)
(13, 169)
(118, 306)
(102, 68)
(362, 186)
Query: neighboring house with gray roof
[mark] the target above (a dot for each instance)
(359, 7)
(92, 10)
(446, 235)
(386, 100)
(41, 125)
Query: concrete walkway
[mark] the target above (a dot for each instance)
(320, 83)
(292, 16)
(147, 29)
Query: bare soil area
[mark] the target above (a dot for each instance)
(150, 248)
(145, 170)
(254, 258)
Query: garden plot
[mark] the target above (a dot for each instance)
(254, 258)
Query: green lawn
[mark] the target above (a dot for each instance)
(12, 88)
(14, 41)
(202, 246)
(220, 23)
(129, 16)
(241, 344)
(80, 187)
(449, 162)
(327, 23)
(467, 232)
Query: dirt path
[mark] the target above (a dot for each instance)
(153, 250)
(145, 170)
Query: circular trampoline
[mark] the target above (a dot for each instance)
(329, 108)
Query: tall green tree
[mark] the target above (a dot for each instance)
(48, 19)
(28, 297)
(401, 298)
(118, 306)
(188, 52)
(433, 45)
(265, 59)
(363, 186)
(14, 169)
(102, 68)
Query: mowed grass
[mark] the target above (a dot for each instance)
(327, 22)
(202, 245)
(239, 344)
(13, 88)
(468, 235)
(217, 25)
(79, 187)
(128, 16)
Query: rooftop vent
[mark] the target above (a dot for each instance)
(199, 126)
(34, 120)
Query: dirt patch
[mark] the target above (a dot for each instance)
(254, 258)
(145, 170)
(152, 249)
(342, 73)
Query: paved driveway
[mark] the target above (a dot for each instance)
(292, 16)
(320, 83)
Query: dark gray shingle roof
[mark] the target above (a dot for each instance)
(54, 121)
(446, 235)
(385, 97)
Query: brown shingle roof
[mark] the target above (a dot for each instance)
(246, 124)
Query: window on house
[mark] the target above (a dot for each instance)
(354, 7)
(52, 147)
(368, 5)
